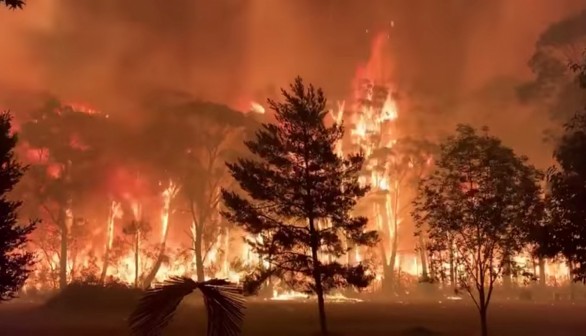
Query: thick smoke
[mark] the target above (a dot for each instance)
(454, 60)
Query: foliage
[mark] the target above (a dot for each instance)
(479, 205)
(300, 194)
(15, 261)
(223, 301)
(13, 4)
(564, 231)
(565, 234)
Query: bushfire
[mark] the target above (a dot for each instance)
(126, 245)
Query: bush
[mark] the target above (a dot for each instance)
(92, 296)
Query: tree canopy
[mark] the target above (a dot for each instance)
(477, 206)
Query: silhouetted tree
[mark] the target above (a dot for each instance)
(223, 301)
(13, 4)
(300, 194)
(480, 201)
(15, 261)
(565, 234)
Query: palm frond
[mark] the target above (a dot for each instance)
(223, 301)
(158, 305)
(225, 307)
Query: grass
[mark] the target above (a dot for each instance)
(299, 319)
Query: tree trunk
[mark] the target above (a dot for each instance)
(198, 250)
(136, 258)
(483, 321)
(64, 248)
(452, 269)
(423, 258)
(542, 280)
(319, 291)
(105, 266)
(148, 280)
(393, 259)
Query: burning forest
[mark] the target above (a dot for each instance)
(382, 189)
(139, 205)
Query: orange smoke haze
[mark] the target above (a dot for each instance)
(114, 54)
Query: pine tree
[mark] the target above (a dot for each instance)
(13, 4)
(300, 195)
(15, 262)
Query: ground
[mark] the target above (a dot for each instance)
(345, 319)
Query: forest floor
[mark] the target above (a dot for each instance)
(299, 319)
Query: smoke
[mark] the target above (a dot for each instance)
(112, 54)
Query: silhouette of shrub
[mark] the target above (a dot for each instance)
(92, 296)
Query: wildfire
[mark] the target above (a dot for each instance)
(371, 117)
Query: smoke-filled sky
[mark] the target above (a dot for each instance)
(113, 53)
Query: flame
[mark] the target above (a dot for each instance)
(372, 126)
(115, 212)
(168, 195)
(257, 108)
(136, 210)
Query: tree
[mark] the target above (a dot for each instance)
(192, 140)
(223, 301)
(300, 195)
(13, 4)
(137, 230)
(15, 261)
(214, 130)
(400, 167)
(565, 233)
(69, 142)
(479, 203)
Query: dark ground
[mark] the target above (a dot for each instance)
(346, 319)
